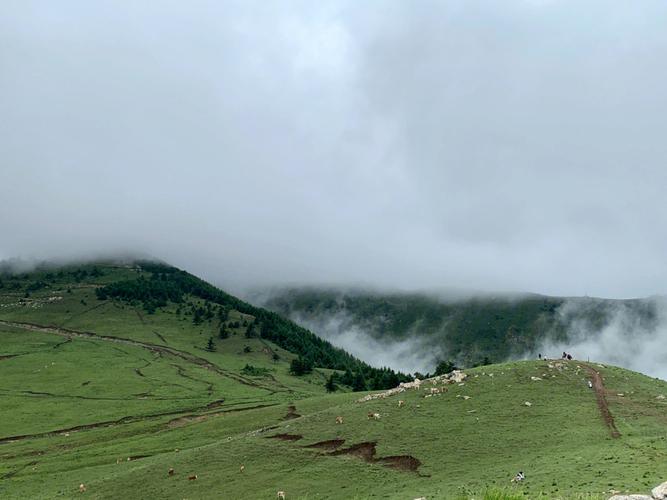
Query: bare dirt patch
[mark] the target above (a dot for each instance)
(330, 444)
(286, 437)
(366, 451)
(401, 462)
(598, 386)
(291, 413)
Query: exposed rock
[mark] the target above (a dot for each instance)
(660, 492)
(457, 376)
(630, 497)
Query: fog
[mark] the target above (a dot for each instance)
(629, 339)
(408, 355)
(482, 145)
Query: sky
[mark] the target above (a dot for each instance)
(514, 145)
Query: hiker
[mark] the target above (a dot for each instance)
(519, 477)
(569, 357)
(590, 384)
(539, 356)
(564, 355)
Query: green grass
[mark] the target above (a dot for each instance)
(154, 406)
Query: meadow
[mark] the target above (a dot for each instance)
(104, 394)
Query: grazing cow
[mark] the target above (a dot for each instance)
(242, 468)
(376, 416)
(281, 495)
(192, 477)
(171, 471)
(519, 477)
(590, 384)
(339, 420)
(435, 390)
(82, 488)
(401, 403)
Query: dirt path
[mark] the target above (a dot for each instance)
(191, 358)
(133, 419)
(598, 386)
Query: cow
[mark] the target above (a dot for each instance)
(339, 420)
(242, 468)
(401, 403)
(281, 495)
(171, 471)
(192, 477)
(82, 488)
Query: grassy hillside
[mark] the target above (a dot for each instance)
(114, 392)
(469, 330)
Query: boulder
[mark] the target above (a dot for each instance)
(660, 492)
(630, 497)
(457, 376)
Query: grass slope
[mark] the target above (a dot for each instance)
(100, 393)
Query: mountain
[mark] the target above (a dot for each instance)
(116, 383)
(469, 330)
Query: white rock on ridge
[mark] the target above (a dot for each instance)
(630, 497)
(660, 492)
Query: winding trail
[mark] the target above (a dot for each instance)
(160, 349)
(133, 419)
(598, 386)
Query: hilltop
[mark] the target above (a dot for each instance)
(108, 380)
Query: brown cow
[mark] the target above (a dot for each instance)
(192, 477)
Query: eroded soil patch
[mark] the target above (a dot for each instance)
(598, 385)
(286, 437)
(291, 413)
(330, 444)
(366, 451)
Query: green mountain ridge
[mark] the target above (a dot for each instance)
(468, 331)
(116, 382)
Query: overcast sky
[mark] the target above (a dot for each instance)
(498, 145)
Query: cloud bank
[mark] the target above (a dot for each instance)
(511, 145)
(629, 338)
(408, 355)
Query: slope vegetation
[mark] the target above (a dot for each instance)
(113, 392)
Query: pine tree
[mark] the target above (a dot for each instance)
(210, 347)
(331, 384)
(223, 332)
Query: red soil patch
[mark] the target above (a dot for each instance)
(366, 451)
(598, 385)
(291, 413)
(286, 437)
(330, 444)
(401, 462)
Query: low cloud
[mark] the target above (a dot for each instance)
(632, 335)
(408, 355)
